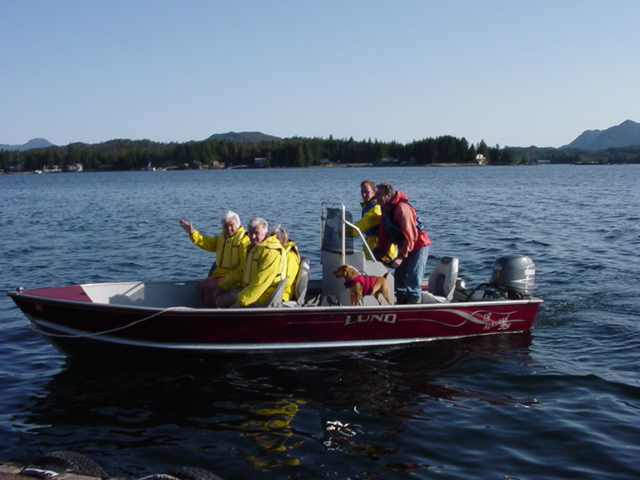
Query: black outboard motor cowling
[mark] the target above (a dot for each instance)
(514, 275)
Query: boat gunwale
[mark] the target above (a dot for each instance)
(177, 309)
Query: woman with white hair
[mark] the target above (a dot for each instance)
(230, 247)
(293, 261)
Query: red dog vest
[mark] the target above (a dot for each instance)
(366, 281)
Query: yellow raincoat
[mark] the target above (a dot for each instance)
(369, 225)
(259, 273)
(229, 251)
(293, 267)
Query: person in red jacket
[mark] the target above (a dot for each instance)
(400, 225)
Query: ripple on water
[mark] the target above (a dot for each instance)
(559, 401)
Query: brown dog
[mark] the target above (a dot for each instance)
(359, 285)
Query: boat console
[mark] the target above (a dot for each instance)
(337, 249)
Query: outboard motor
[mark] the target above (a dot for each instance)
(513, 276)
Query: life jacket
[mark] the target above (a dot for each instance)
(366, 281)
(373, 231)
(392, 228)
(252, 261)
(293, 268)
(228, 251)
(258, 280)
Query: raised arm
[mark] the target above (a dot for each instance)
(187, 226)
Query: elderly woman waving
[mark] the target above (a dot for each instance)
(229, 246)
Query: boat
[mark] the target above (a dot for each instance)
(165, 317)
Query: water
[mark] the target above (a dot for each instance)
(561, 402)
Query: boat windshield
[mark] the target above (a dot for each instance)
(332, 235)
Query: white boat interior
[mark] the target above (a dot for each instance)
(145, 294)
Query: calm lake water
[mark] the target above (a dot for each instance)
(561, 402)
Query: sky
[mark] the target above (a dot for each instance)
(511, 73)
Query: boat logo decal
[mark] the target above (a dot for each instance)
(386, 318)
(489, 320)
(500, 321)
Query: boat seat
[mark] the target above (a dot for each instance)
(302, 282)
(442, 281)
(275, 299)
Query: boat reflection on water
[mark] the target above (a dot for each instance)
(270, 411)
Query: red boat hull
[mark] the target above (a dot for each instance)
(75, 325)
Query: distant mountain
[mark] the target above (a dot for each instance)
(244, 137)
(30, 145)
(627, 134)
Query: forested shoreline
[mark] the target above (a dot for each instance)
(292, 152)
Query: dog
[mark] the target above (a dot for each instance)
(359, 285)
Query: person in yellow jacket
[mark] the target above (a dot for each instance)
(262, 269)
(293, 261)
(369, 224)
(230, 247)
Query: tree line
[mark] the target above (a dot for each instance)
(289, 152)
(614, 155)
(294, 152)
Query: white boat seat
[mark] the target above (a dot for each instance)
(275, 299)
(442, 281)
(302, 282)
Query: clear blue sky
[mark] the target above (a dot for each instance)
(511, 72)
